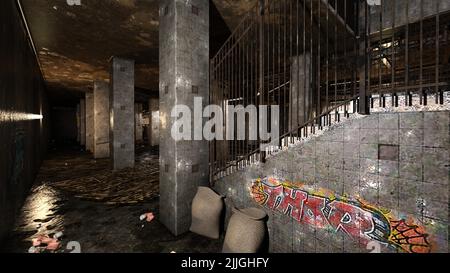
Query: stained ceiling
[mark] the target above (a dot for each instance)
(75, 42)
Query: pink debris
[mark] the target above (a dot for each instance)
(46, 240)
(147, 216)
(51, 243)
(41, 239)
(150, 216)
(36, 242)
(54, 245)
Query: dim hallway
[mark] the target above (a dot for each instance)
(98, 208)
(279, 126)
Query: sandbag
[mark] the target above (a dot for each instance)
(246, 231)
(207, 208)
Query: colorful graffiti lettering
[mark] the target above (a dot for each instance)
(354, 217)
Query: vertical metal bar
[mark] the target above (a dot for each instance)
(345, 53)
(268, 75)
(246, 102)
(305, 116)
(436, 88)
(284, 65)
(319, 111)
(297, 60)
(261, 62)
(279, 61)
(346, 70)
(310, 107)
(327, 60)
(380, 55)
(422, 94)
(335, 57)
(355, 52)
(289, 77)
(408, 98)
(237, 72)
(363, 51)
(393, 61)
(233, 95)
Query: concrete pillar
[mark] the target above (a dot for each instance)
(122, 113)
(184, 75)
(78, 123)
(90, 122)
(139, 130)
(153, 128)
(101, 119)
(301, 92)
(83, 122)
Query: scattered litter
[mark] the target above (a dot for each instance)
(150, 217)
(36, 242)
(58, 235)
(32, 249)
(54, 245)
(44, 242)
(147, 216)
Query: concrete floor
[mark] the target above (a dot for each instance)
(99, 220)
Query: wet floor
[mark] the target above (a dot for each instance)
(98, 210)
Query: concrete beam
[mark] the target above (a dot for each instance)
(101, 119)
(83, 122)
(184, 75)
(78, 123)
(138, 129)
(153, 128)
(90, 122)
(122, 113)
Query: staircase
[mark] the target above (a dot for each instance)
(299, 50)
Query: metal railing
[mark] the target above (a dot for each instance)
(319, 60)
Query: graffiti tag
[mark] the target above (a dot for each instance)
(354, 217)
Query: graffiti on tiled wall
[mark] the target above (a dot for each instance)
(355, 217)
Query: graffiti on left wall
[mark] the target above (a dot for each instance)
(323, 209)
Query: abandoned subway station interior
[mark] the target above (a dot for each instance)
(212, 126)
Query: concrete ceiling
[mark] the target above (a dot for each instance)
(75, 43)
(233, 11)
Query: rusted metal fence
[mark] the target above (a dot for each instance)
(319, 60)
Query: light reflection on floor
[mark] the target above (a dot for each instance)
(98, 225)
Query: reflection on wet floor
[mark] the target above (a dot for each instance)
(99, 208)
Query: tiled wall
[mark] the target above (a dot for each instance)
(398, 161)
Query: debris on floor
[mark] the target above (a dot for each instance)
(93, 180)
(147, 216)
(45, 243)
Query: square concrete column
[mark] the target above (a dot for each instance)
(184, 75)
(122, 113)
(83, 122)
(78, 124)
(139, 130)
(90, 121)
(153, 128)
(301, 92)
(101, 119)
